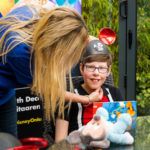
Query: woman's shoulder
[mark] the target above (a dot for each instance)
(23, 13)
(19, 51)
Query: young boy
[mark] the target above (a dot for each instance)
(95, 67)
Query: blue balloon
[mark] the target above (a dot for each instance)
(60, 2)
(72, 1)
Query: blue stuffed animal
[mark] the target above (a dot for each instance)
(117, 131)
(99, 132)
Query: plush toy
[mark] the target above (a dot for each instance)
(99, 132)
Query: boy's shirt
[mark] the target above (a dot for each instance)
(88, 111)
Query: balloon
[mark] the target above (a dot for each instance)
(60, 2)
(107, 36)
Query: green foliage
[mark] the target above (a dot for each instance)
(143, 93)
(143, 40)
(143, 58)
(142, 133)
(99, 14)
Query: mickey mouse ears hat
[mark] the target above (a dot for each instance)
(95, 47)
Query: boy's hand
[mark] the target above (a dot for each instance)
(97, 95)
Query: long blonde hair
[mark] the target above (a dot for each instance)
(57, 38)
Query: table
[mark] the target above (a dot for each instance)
(141, 136)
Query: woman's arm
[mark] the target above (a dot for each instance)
(61, 130)
(76, 98)
(95, 96)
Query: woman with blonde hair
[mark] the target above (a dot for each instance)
(38, 48)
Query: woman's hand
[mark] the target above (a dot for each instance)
(96, 96)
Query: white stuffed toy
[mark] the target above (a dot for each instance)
(99, 132)
(117, 131)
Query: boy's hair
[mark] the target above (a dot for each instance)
(98, 58)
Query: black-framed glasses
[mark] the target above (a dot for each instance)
(93, 68)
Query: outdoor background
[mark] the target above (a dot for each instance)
(105, 13)
(99, 14)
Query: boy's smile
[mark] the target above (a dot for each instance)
(94, 75)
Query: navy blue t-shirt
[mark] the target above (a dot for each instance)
(16, 72)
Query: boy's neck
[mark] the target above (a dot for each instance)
(88, 90)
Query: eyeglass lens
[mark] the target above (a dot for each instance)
(93, 68)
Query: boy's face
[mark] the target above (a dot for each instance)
(94, 77)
